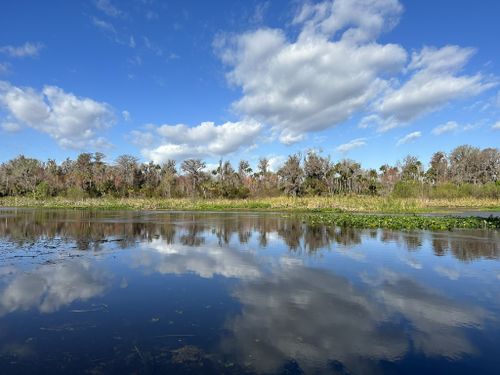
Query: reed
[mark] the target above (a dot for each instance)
(337, 203)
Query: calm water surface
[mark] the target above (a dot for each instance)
(155, 292)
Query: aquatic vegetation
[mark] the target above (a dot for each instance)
(403, 222)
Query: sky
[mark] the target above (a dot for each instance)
(369, 80)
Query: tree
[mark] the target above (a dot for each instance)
(291, 175)
(82, 172)
(101, 174)
(438, 170)
(489, 165)
(194, 169)
(411, 169)
(168, 177)
(244, 169)
(315, 170)
(126, 168)
(372, 178)
(464, 164)
(52, 174)
(90, 175)
(389, 177)
(263, 166)
(265, 180)
(23, 175)
(346, 177)
(151, 176)
(228, 183)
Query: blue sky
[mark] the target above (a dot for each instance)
(370, 80)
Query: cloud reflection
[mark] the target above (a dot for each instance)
(50, 287)
(205, 260)
(315, 317)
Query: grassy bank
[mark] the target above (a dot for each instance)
(369, 204)
(344, 211)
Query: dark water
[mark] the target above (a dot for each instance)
(128, 292)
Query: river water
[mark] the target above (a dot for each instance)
(157, 292)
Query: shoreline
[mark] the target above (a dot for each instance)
(364, 213)
(335, 204)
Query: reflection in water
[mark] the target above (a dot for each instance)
(87, 230)
(436, 322)
(204, 261)
(313, 316)
(241, 293)
(49, 287)
(468, 248)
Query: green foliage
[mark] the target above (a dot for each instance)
(449, 190)
(42, 190)
(463, 173)
(412, 222)
(315, 187)
(445, 190)
(240, 192)
(76, 193)
(407, 189)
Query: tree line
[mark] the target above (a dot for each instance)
(465, 171)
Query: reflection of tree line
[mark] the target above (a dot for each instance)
(92, 229)
(469, 249)
(465, 245)
(87, 230)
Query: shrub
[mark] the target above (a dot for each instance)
(76, 193)
(407, 189)
(42, 190)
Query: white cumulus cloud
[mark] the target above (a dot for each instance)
(72, 121)
(322, 77)
(435, 80)
(357, 20)
(336, 68)
(206, 139)
(496, 126)
(408, 138)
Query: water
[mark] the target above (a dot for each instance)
(155, 292)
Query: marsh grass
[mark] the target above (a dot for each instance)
(338, 203)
